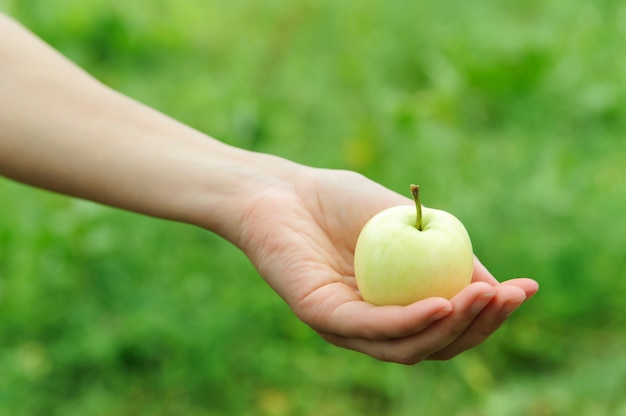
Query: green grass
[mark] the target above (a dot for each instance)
(511, 115)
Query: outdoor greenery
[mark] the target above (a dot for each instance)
(509, 114)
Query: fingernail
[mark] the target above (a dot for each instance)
(482, 301)
(442, 313)
(510, 307)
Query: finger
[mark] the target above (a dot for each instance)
(507, 299)
(341, 314)
(529, 286)
(468, 305)
(412, 349)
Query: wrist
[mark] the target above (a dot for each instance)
(228, 184)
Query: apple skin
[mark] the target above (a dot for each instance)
(397, 264)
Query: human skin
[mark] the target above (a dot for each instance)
(62, 130)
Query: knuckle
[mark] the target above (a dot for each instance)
(454, 330)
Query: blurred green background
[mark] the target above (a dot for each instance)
(510, 114)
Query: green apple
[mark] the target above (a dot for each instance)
(409, 253)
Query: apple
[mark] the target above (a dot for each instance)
(409, 253)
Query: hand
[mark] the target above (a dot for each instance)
(301, 239)
(298, 230)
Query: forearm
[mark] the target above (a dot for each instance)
(62, 130)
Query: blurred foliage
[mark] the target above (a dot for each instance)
(509, 114)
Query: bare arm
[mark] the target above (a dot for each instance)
(62, 130)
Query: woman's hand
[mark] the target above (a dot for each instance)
(301, 235)
(298, 225)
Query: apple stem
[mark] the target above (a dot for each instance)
(415, 191)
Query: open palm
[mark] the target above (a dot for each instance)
(301, 239)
